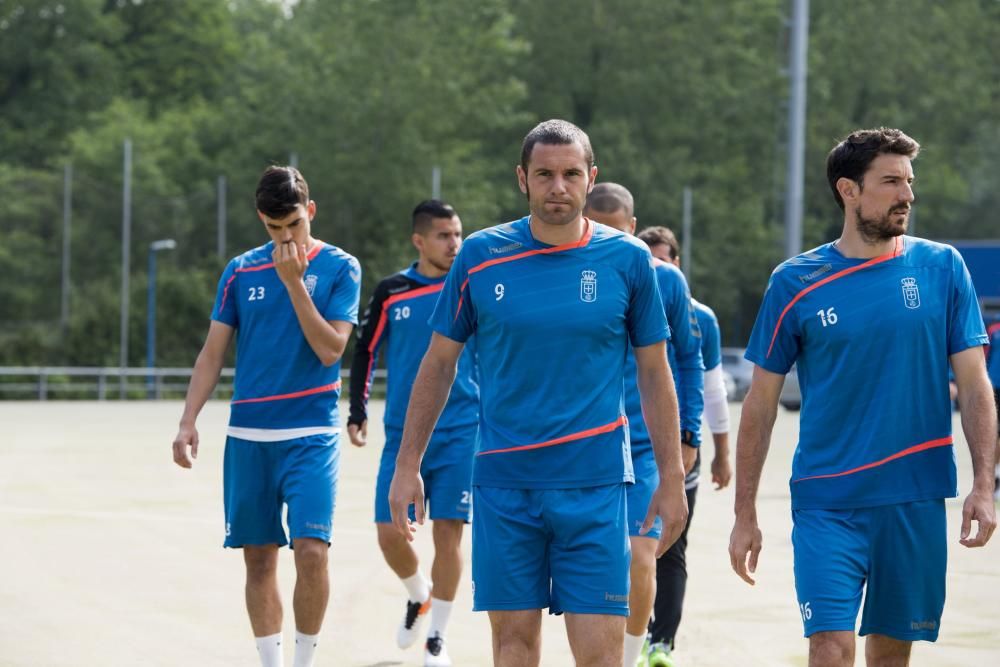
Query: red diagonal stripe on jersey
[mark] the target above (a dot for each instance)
(311, 255)
(896, 252)
(607, 428)
(295, 394)
(924, 446)
(584, 240)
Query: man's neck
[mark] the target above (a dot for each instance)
(853, 245)
(557, 234)
(428, 270)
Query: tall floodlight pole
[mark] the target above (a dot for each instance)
(126, 244)
(796, 127)
(154, 247)
(220, 215)
(686, 231)
(67, 219)
(436, 183)
(293, 160)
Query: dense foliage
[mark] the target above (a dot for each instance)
(371, 96)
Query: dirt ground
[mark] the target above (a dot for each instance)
(111, 555)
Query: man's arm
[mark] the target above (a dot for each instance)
(363, 366)
(427, 399)
(979, 422)
(205, 376)
(659, 410)
(717, 415)
(760, 409)
(326, 338)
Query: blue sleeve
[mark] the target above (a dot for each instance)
(224, 309)
(686, 341)
(965, 324)
(645, 319)
(454, 315)
(711, 341)
(775, 340)
(346, 293)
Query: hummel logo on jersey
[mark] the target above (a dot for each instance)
(911, 293)
(310, 281)
(505, 248)
(397, 290)
(816, 274)
(588, 286)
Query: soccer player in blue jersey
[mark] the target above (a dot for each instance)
(554, 300)
(671, 569)
(872, 321)
(395, 324)
(612, 204)
(291, 305)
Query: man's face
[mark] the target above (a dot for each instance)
(557, 182)
(661, 251)
(620, 219)
(293, 228)
(441, 243)
(882, 206)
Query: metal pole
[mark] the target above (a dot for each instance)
(151, 321)
(67, 219)
(686, 231)
(796, 127)
(220, 214)
(912, 226)
(126, 244)
(293, 160)
(436, 183)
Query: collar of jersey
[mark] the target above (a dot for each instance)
(411, 272)
(524, 225)
(898, 249)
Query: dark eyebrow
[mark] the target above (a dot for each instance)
(290, 223)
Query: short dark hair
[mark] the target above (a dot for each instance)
(426, 211)
(280, 190)
(556, 132)
(609, 198)
(661, 235)
(851, 157)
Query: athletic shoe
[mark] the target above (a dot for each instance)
(659, 656)
(435, 654)
(409, 629)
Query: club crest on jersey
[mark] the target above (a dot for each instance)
(310, 281)
(911, 293)
(588, 286)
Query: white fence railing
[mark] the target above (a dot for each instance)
(109, 382)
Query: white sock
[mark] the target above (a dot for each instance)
(417, 587)
(633, 648)
(269, 649)
(305, 649)
(440, 612)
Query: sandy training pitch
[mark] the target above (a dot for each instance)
(111, 555)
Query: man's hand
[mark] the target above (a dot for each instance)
(406, 489)
(689, 456)
(722, 471)
(289, 261)
(358, 433)
(745, 539)
(187, 436)
(670, 504)
(978, 507)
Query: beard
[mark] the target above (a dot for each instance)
(441, 264)
(564, 217)
(884, 227)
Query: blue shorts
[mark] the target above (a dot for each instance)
(899, 551)
(446, 471)
(647, 478)
(259, 478)
(566, 549)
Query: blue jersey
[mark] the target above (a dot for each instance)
(553, 325)
(993, 359)
(684, 352)
(871, 339)
(711, 336)
(396, 320)
(280, 382)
